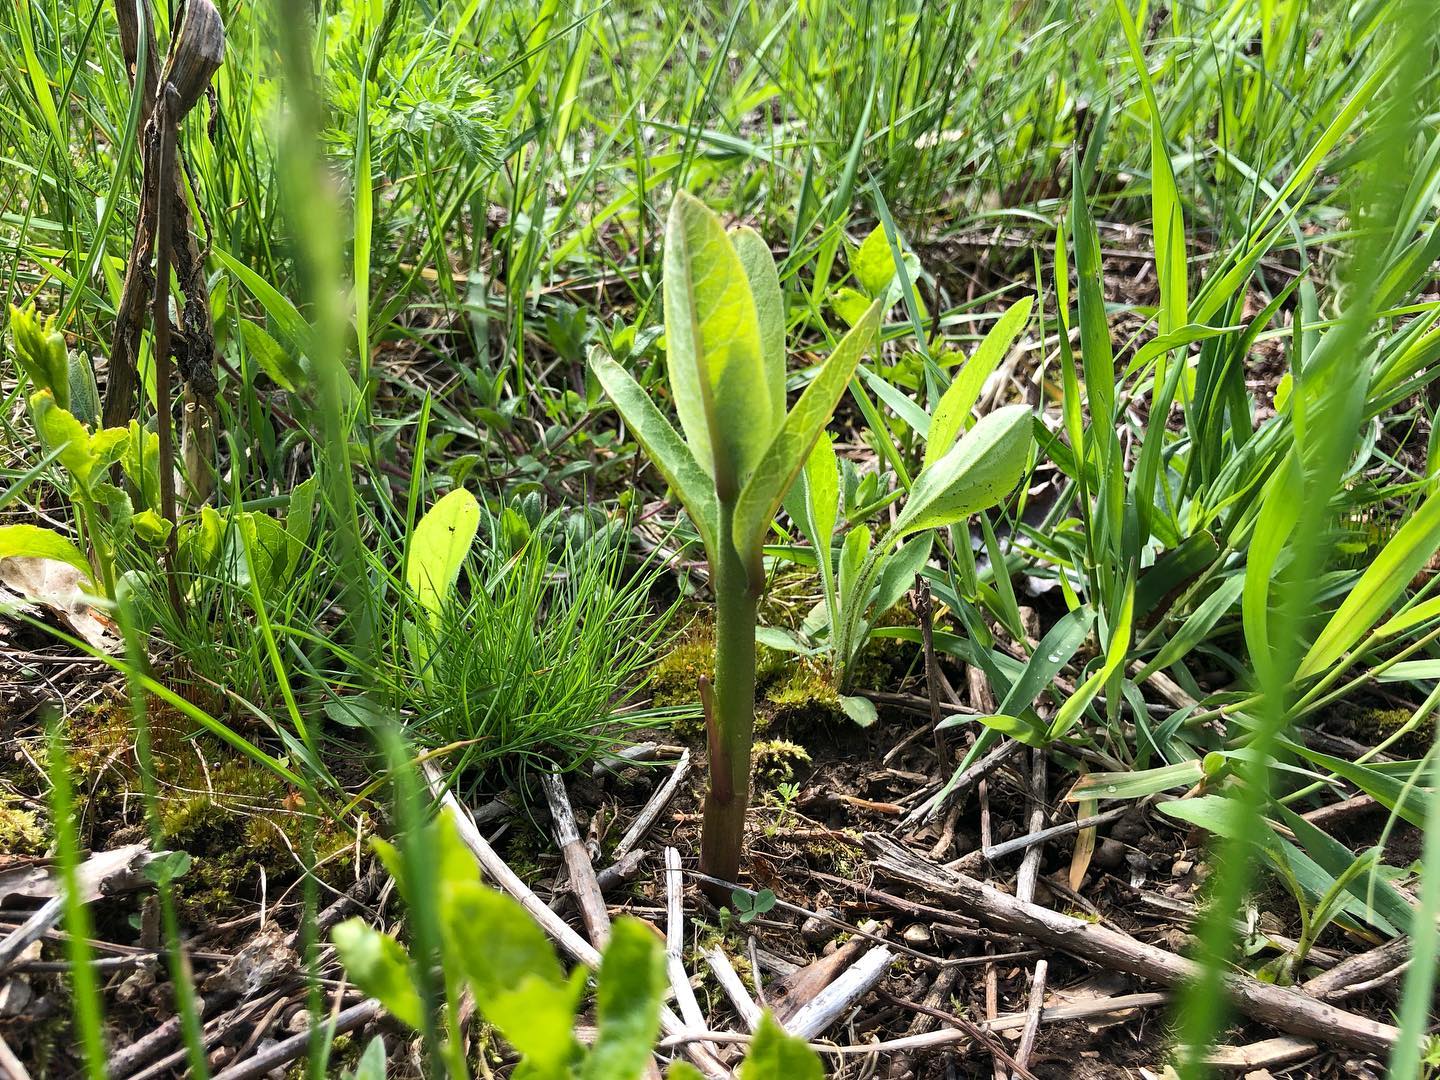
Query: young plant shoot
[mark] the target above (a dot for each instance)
(741, 451)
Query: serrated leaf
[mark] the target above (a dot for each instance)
(954, 407)
(714, 352)
(438, 547)
(788, 451)
(977, 472)
(662, 443)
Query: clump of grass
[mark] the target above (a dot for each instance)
(539, 661)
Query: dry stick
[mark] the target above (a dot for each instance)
(1350, 976)
(995, 852)
(729, 980)
(287, 1050)
(992, 976)
(818, 1014)
(961, 783)
(583, 885)
(1032, 1016)
(1025, 892)
(925, 609)
(10, 1065)
(1287, 1010)
(104, 873)
(558, 929)
(652, 810)
(1260, 1055)
(935, 996)
(675, 941)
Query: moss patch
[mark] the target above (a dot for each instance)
(20, 829)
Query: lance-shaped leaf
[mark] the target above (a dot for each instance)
(975, 473)
(714, 354)
(1385, 579)
(955, 406)
(788, 451)
(769, 310)
(662, 443)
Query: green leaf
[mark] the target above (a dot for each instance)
(1382, 583)
(1410, 801)
(849, 304)
(788, 451)
(859, 709)
(775, 1055)
(874, 266)
(514, 974)
(274, 359)
(683, 1070)
(820, 480)
(954, 408)
(663, 445)
(898, 577)
(1193, 631)
(714, 352)
(286, 316)
(33, 542)
(1115, 653)
(764, 281)
(977, 472)
(1137, 784)
(1020, 728)
(631, 986)
(372, 1062)
(438, 547)
(379, 966)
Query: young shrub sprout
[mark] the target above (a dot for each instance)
(741, 451)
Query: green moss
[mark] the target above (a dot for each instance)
(675, 679)
(1374, 725)
(775, 761)
(20, 831)
(806, 695)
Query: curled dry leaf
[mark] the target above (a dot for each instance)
(58, 588)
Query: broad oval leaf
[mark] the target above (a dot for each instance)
(788, 451)
(960, 398)
(714, 352)
(438, 547)
(977, 472)
(628, 994)
(775, 1055)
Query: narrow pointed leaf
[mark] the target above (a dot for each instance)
(955, 406)
(1378, 588)
(661, 442)
(787, 453)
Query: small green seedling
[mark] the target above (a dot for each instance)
(741, 451)
(749, 906)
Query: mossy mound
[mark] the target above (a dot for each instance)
(235, 817)
(20, 830)
(776, 761)
(1372, 725)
